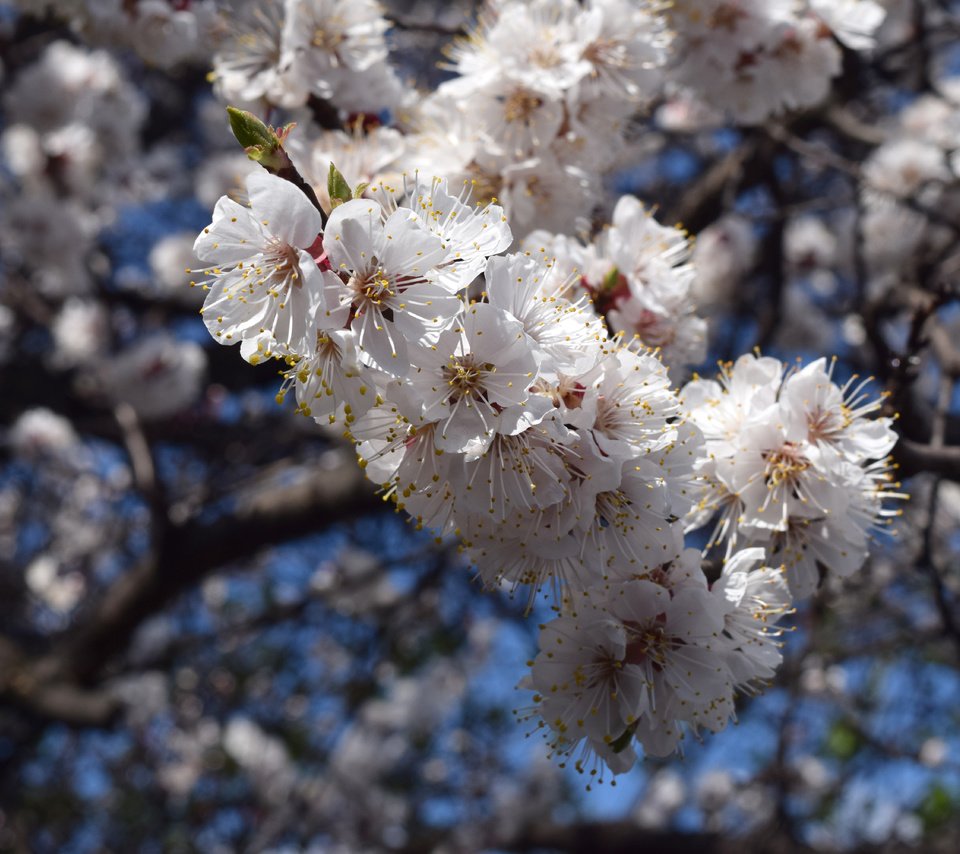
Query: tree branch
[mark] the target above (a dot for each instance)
(318, 499)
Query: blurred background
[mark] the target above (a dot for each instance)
(214, 636)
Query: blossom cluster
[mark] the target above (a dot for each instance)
(536, 114)
(915, 170)
(69, 165)
(163, 33)
(638, 274)
(283, 52)
(542, 98)
(489, 402)
(519, 401)
(793, 464)
(544, 94)
(641, 661)
(755, 58)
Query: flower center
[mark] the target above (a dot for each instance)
(485, 185)
(647, 643)
(371, 286)
(546, 56)
(520, 105)
(785, 466)
(328, 40)
(824, 424)
(285, 260)
(654, 330)
(612, 510)
(465, 377)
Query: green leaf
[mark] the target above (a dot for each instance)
(937, 807)
(843, 741)
(337, 187)
(358, 191)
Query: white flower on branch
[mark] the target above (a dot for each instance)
(263, 278)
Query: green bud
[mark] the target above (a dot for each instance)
(262, 143)
(250, 131)
(337, 187)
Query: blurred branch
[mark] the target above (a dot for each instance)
(626, 837)
(703, 202)
(426, 27)
(27, 685)
(900, 368)
(829, 159)
(845, 122)
(192, 549)
(239, 629)
(772, 263)
(948, 355)
(915, 458)
(186, 553)
(144, 471)
(927, 561)
(622, 837)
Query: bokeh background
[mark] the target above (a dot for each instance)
(214, 636)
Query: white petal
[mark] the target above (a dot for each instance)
(284, 210)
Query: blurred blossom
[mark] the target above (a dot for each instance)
(756, 804)
(809, 244)
(72, 85)
(836, 679)
(223, 174)
(7, 330)
(22, 151)
(39, 433)
(813, 679)
(903, 168)
(909, 829)
(683, 113)
(144, 695)
(723, 254)
(60, 591)
(854, 332)
(813, 773)
(713, 790)
(262, 756)
(933, 752)
(158, 377)
(169, 259)
(81, 332)
(932, 119)
(50, 236)
(665, 793)
(809, 327)
(183, 764)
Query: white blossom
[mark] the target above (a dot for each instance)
(263, 277)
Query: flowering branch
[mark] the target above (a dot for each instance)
(264, 145)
